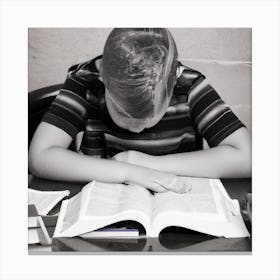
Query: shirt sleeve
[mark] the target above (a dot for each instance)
(70, 108)
(213, 118)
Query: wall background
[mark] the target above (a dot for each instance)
(222, 54)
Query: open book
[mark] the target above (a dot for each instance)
(207, 208)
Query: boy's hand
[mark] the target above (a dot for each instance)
(156, 180)
(153, 180)
(161, 182)
(176, 184)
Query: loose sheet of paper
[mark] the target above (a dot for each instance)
(44, 201)
(73, 210)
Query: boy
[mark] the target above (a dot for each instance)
(144, 111)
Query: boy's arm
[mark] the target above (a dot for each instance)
(230, 145)
(49, 158)
(231, 158)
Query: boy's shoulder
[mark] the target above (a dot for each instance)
(86, 73)
(187, 76)
(89, 65)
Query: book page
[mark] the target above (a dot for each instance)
(200, 199)
(111, 199)
(72, 211)
(44, 201)
(101, 204)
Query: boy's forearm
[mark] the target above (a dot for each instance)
(60, 164)
(218, 162)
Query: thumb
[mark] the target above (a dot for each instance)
(175, 184)
(180, 185)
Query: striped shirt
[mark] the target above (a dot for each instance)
(195, 111)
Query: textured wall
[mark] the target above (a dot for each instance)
(222, 54)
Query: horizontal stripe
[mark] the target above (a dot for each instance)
(212, 123)
(224, 121)
(93, 152)
(207, 109)
(223, 130)
(74, 119)
(60, 123)
(181, 108)
(185, 145)
(70, 77)
(72, 102)
(211, 115)
(80, 99)
(205, 99)
(170, 126)
(144, 143)
(94, 126)
(197, 88)
(215, 141)
(66, 112)
(74, 86)
(97, 141)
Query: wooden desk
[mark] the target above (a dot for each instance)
(173, 240)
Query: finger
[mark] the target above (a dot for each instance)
(181, 185)
(157, 187)
(176, 184)
(165, 181)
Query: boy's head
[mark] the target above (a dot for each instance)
(139, 73)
